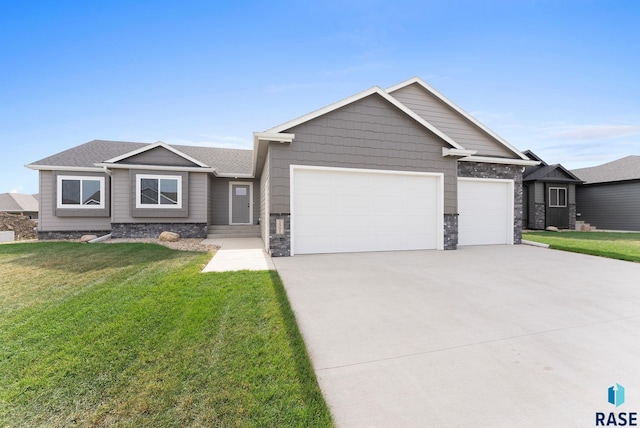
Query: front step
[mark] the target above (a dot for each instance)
(229, 231)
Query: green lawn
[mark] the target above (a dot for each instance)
(623, 246)
(134, 335)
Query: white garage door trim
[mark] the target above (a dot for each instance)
(509, 226)
(439, 195)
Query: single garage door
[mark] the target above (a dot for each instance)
(337, 210)
(486, 211)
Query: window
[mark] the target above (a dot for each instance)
(158, 191)
(80, 192)
(557, 197)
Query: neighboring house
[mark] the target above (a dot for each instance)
(549, 195)
(610, 195)
(20, 204)
(396, 169)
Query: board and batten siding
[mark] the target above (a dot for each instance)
(219, 203)
(614, 206)
(370, 134)
(50, 223)
(121, 209)
(449, 121)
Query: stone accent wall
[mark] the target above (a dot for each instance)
(153, 230)
(540, 219)
(495, 170)
(451, 231)
(572, 216)
(69, 234)
(280, 244)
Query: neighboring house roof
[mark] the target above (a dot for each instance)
(546, 172)
(224, 161)
(17, 202)
(627, 168)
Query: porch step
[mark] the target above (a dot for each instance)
(240, 231)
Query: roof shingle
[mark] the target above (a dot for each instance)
(627, 168)
(225, 161)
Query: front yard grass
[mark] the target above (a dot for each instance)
(615, 245)
(134, 335)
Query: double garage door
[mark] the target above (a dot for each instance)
(337, 210)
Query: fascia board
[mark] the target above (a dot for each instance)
(154, 167)
(451, 104)
(507, 161)
(64, 168)
(231, 175)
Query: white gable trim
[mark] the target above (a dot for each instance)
(153, 167)
(153, 146)
(450, 103)
(357, 97)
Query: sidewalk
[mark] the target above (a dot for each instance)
(238, 254)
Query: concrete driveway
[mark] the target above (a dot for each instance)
(495, 336)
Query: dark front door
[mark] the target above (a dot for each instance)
(557, 206)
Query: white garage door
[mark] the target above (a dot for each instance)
(337, 210)
(486, 211)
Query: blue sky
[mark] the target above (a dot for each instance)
(559, 77)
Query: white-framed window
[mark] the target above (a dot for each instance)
(158, 191)
(78, 192)
(557, 197)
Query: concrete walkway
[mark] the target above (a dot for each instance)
(238, 254)
(495, 336)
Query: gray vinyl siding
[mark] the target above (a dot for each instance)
(220, 200)
(614, 206)
(158, 156)
(48, 221)
(370, 133)
(264, 209)
(122, 183)
(452, 123)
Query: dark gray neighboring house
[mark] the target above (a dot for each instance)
(396, 169)
(610, 195)
(549, 195)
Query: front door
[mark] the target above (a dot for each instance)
(557, 206)
(240, 202)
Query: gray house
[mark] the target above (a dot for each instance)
(549, 195)
(610, 195)
(396, 169)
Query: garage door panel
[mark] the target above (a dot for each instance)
(364, 211)
(485, 212)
